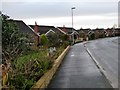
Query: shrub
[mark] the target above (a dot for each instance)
(28, 69)
(65, 44)
(65, 37)
(101, 35)
(44, 39)
(92, 36)
(13, 41)
(53, 39)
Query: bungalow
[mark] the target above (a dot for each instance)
(84, 33)
(117, 31)
(23, 28)
(69, 31)
(42, 29)
(51, 32)
(47, 30)
(87, 30)
(99, 32)
(110, 32)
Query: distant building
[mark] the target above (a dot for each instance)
(69, 31)
(25, 29)
(110, 32)
(42, 29)
(84, 33)
(99, 32)
(117, 31)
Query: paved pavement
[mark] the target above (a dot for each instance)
(78, 71)
(105, 51)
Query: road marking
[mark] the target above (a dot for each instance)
(72, 55)
(100, 68)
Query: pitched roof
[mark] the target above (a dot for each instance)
(117, 29)
(23, 27)
(100, 30)
(67, 30)
(44, 29)
(113, 29)
(84, 30)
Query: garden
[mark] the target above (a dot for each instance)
(22, 64)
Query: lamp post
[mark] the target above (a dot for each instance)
(72, 23)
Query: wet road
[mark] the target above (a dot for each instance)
(105, 52)
(78, 71)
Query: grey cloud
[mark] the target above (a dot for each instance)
(96, 8)
(23, 10)
(34, 10)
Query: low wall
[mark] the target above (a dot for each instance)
(46, 78)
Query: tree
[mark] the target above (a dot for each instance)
(13, 41)
(92, 36)
(65, 37)
(44, 39)
(53, 39)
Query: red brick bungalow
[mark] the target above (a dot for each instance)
(23, 28)
(117, 31)
(109, 32)
(83, 33)
(69, 31)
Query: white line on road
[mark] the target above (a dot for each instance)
(100, 68)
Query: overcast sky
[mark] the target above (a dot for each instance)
(88, 13)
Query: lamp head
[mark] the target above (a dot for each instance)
(73, 8)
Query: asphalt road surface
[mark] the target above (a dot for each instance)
(105, 51)
(78, 70)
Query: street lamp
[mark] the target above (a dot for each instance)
(72, 23)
